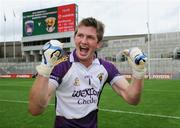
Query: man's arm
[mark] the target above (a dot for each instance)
(131, 92)
(40, 95)
(41, 92)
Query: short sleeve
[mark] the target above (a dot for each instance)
(113, 73)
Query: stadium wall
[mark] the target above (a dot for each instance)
(164, 57)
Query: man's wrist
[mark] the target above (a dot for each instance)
(139, 74)
(43, 70)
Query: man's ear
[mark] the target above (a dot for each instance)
(99, 44)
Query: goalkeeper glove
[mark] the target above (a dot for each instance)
(137, 60)
(51, 52)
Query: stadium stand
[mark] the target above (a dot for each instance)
(164, 55)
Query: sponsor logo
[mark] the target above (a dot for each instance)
(86, 96)
(87, 101)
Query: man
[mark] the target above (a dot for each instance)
(78, 79)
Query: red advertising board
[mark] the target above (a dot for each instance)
(16, 76)
(66, 18)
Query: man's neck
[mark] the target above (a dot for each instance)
(87, 63)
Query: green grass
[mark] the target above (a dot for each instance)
(159, 107)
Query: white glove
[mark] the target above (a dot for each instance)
(137, 60)
(51, 52)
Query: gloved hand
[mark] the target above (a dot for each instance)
(51, 52)
(137, 60)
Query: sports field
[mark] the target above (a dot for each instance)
(159, 107)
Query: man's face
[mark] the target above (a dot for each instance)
(86, 42)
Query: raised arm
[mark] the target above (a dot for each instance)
(41, 91)
(131, 91)
(40, 95)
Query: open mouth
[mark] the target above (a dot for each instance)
(84, 50)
